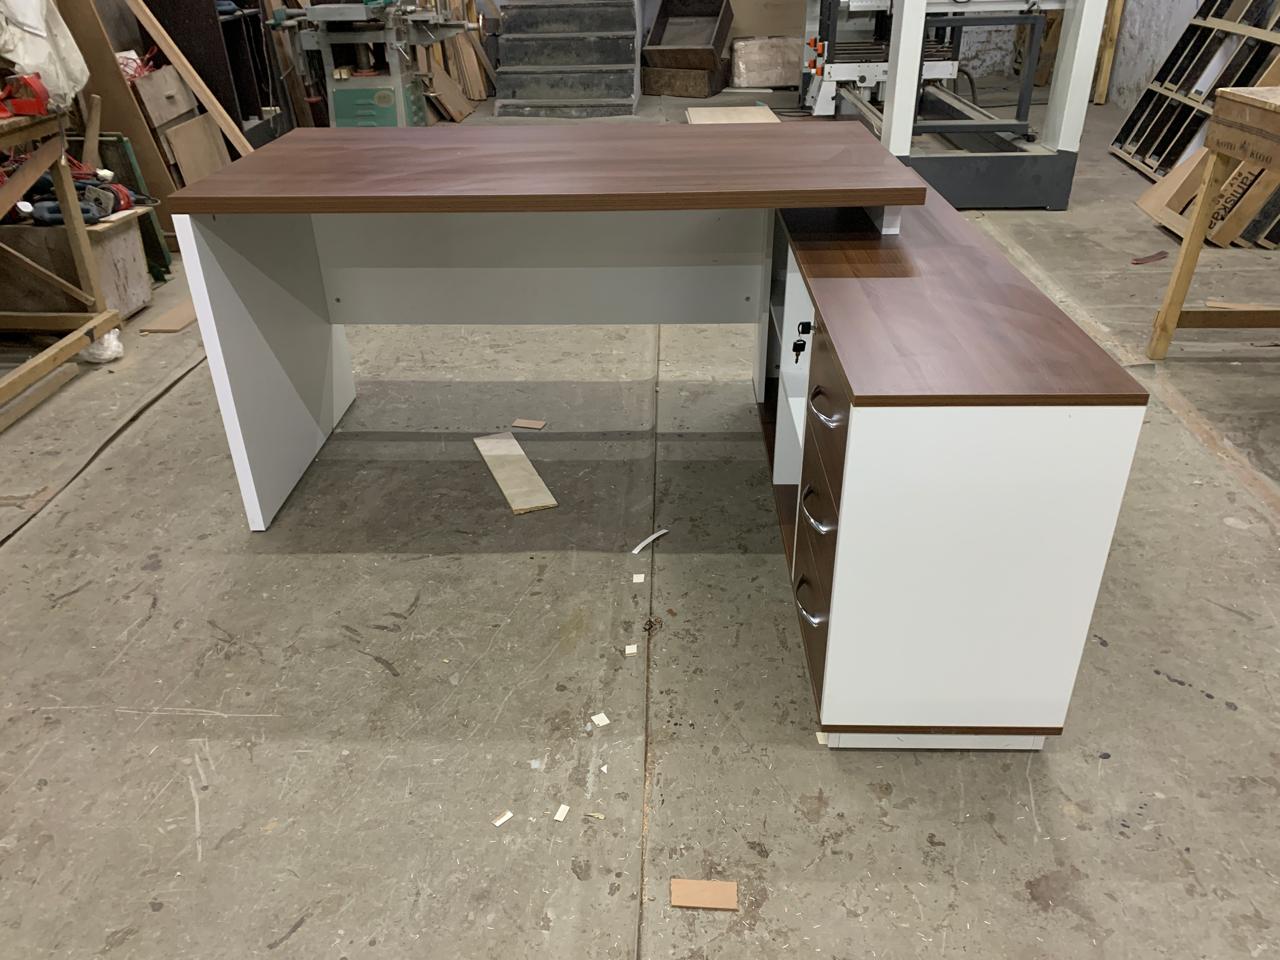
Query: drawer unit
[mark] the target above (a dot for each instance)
(963, 455)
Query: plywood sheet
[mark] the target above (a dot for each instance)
(517, 478)
(757, 114)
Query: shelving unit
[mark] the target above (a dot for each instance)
(1228, 43)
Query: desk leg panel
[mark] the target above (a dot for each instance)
(281, 370)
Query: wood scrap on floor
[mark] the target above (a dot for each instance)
(704, 894)
(172, 320)
(516, 477)
(525, 424)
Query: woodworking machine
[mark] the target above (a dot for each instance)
(371, 79)
(896, 65)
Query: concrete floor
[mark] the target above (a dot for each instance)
(291, 744)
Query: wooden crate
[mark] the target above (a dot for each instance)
(117, 251)
(672, 82)
(689, 35)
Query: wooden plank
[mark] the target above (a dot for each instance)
(446, 93)
(198, 148)
(73, 221)
(1168, 318)
(704, 894)
(22, 179)
(482, 58)
(516, 477)
(1212, 303)
(16, 381)
(1254, 317)
(758, 114)
(42, 322)
(1107, 55)
(47, 275)
(120, 110)
(92, 130)
(164, 95)
(36, 394)
(226, 124)
(21, 130)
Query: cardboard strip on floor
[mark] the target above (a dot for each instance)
(704, 894)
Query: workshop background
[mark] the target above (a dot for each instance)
(351, 735)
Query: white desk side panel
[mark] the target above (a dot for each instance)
(971, 548)
(281, 370)
(674, 266)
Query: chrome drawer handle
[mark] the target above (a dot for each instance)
(830, 421)
(818, 525)
(809, 617)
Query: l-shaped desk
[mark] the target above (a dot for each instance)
(949, 454)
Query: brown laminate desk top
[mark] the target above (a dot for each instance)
(559, 167)
(937, 316)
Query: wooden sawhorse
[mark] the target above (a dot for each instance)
(1245, 126)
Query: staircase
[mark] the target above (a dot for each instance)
(567, 58)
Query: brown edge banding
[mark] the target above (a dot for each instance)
(180, 202)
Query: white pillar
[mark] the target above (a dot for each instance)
(906, 46)
(1082, 23)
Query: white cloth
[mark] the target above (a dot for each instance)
(34, 37)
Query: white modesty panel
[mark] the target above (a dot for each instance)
(971, 547)
(681, 266)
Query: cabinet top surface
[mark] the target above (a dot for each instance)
(559, 167)
(937, 316)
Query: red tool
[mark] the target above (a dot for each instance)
(24, 96)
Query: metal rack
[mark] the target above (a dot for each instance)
(1228, 43)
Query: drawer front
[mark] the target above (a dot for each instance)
(819, 507)
(813, 607)
(828, 404)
